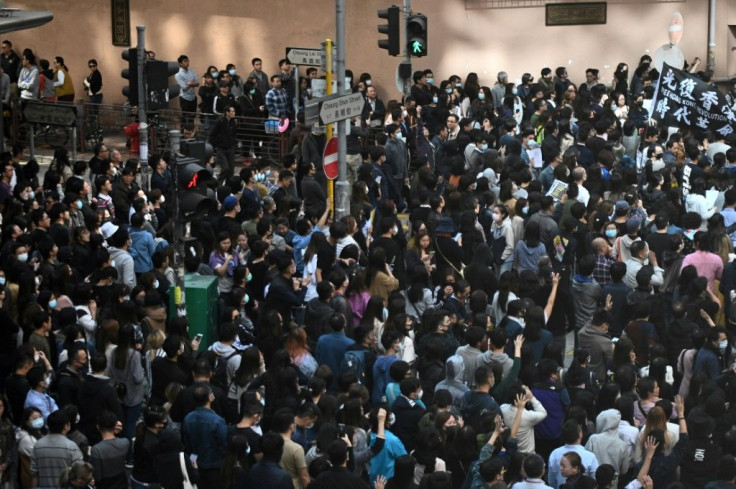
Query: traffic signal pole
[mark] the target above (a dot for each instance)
(328, 129)
(342, 187)
(142, 109)
(407, 53)
(179, 290)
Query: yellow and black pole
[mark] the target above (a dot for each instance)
(328, 129)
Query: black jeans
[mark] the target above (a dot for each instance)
(209, 478)
(188, 110)
(226, 159)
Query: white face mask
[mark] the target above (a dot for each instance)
(37, 423)
(395, 230)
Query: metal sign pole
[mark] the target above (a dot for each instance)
(342, 187)
(179, 290)
(142, 107)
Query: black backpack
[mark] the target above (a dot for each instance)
(219, 377)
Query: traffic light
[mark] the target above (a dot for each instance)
(131, 74)
(391, 43)
(416, 33)
(195, 197)
(158, 90)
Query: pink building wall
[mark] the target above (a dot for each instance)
(460, 41)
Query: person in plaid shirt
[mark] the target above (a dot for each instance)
(277, 100)
(603, 261)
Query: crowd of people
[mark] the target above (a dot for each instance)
(418, 341)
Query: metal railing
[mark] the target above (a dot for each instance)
(508, 4)
(106, 122)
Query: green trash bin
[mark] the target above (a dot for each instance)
(201, 302)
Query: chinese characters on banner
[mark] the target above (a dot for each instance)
(683, 100)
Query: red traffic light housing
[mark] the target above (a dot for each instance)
(195, 197)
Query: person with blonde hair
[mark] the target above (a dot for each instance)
(656, 420)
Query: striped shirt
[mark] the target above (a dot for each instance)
(53, 454)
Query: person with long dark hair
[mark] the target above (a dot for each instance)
(479, 273)
(529, 250)
(378, 276)
(507, 288)
(252, 366)
(502, 242)
(235, 466)
(419, 294)
(125, 368)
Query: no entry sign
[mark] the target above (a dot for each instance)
(330, 159)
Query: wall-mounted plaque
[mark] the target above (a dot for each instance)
(120, 22)
(575, 13)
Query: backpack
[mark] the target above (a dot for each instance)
(219, 377)
(354, 360)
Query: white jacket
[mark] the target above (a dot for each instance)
(697, 203)
(528, 420)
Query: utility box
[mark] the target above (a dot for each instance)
(201, 303)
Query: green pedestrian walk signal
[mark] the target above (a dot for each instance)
(416, 28)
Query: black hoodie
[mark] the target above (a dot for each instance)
(96, 394)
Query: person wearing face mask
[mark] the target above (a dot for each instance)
(108, 457)
(38, 396)
(638, 114)
(374, 110)
(31, 430)
(304, 433)
(713, 357)
(165, 370)
(474, 152)
(70, 378)
(502, 243)
(482, 105)
(396, 165)
(420, 90)
(408, 410)
(236, 82)
(382, 464)
(251, 101)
